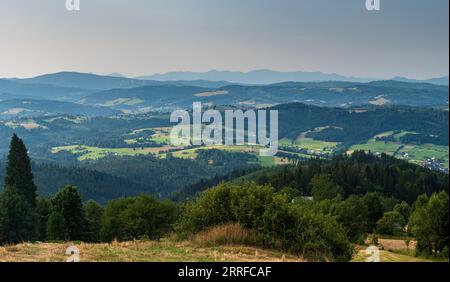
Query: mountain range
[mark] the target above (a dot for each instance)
(92, 95)
(270, 77)
(438, 80)
(329, 94)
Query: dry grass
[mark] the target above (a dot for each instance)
(391, 250)
(397, 245)
(141, 251)
(228, 234)
(394, 244)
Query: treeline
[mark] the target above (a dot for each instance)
(171, 173)
(358, 174)
(192, 191)
(115, 177)
(91, 184)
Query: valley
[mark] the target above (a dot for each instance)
(258, 138)
(106, 140)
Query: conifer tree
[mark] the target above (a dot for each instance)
(18, 200)
(18, 171)
(67, 203)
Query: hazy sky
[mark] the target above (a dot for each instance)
(140, 37)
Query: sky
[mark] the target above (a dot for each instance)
(142, 37)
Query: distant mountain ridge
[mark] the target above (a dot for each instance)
(87, 81)
(265, 76)
(121, 94)
(95, 82)
(437, 81)
(254, 77)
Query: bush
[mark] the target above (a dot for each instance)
(137, 217)
(278, 222)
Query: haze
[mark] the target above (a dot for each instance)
(142, 37)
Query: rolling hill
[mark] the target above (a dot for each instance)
(14, 89)
(91, 184)
(105, 82)
(437, 81)
(10, 109)
(86, 81)
(330, 94)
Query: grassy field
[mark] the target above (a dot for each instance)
(417, 154)
(377, 147)
(309, 144)
(170, 251)
(263, 161)
(159, 135)
(228, 242)
(414, 153)
(141, 251)
(95, 153)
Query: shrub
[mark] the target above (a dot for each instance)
(136, 217)
(277, 222)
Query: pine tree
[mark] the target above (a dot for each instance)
(18, 171)
(18, 200)
(67, 202)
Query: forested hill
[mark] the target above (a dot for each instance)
(352, 126)
(356, 174)
(113, 178)
(330, 94)
(91, 184)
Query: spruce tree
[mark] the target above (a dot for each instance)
(18, 171)
(18, 200)
(67, 203)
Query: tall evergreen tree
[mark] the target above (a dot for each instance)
(18, 200)
(18, 171)
(67, 203)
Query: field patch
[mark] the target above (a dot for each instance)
(211, 93)
(429, 155)
(94, 153)
(310, 145)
